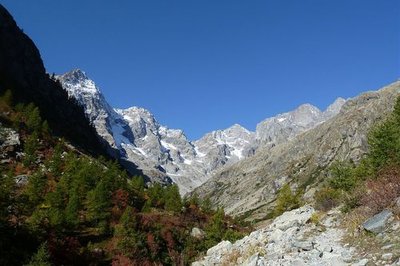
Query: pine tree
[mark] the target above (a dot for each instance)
(215, 229)
(41, 257)
(286, 200)
(173, 201)
(30, 147)
(130, 238)
(72, 208)
(35, 189)
(98, 206)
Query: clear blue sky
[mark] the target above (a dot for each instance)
(205, 65)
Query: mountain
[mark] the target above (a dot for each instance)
(251, 184)
(22, 72)
(286, 126)
(166, 155)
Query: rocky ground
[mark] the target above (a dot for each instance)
(304, 237)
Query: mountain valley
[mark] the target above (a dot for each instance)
(166, 155)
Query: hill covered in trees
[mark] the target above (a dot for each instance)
(60, 206)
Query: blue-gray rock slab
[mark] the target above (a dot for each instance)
(378, 222)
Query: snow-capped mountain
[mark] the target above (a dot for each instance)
(166, 155)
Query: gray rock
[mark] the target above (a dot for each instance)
(21, 180)
(387, 256)
(398, 202)
(362, 262)
(197, 233)
(387, 247)
(378, 222)
(303, 245)
(222, 248)
(252, 261)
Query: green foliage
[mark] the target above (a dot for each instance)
(30, 147)
(33, 120)
(35, 189)
(215, 229)
(98, 205)
(384, 150)
(7, 97)
(55, 163)
(41, 257)
(173, 201)
(326, 198)
(74, 199)
(130, 239)
(342, 176)
(72, 208)
(7, 186)
(206, 205)
(287, 200)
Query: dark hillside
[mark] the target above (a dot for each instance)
(22, 71)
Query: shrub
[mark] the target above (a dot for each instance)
(382, 191)
(41, 257)
(327, 198)
(287, 200)
(342, 176)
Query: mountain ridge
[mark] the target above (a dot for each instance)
(251, 184)
(167, 155)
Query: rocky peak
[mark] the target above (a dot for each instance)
(334, 108)
(286, 126)
(81, 87)
(75, 76)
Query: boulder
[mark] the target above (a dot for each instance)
(197, 233)
(303, 245)
(378, 222)
(21, 180)
(297, 217)
(222, 248)
(387, 256)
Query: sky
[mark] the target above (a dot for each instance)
(206, 65)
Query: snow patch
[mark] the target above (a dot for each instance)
(168, 146)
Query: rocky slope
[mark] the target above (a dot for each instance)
(166, 155)
(297, 238)
(252, 183)
(284, 127)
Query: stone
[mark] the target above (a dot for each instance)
(378, 222)
(397, 202)
(275, 236)
(197, 233)
(252, 261)
(222, 248)
(293, 218)
(362, 262)
(21, 180)
(309, 195)
(387, 247)
(303, 245)
(387, 256)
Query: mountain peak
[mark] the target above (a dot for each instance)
(75, 76)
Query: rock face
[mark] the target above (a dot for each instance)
(166, 155)
(284, 127)
(252, 183)
(289, 240)
(378, 222)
